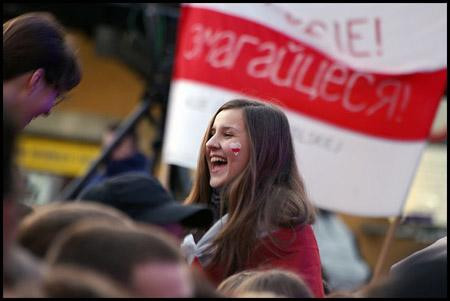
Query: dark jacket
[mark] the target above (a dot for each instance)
(136, 163)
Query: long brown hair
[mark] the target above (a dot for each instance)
(269, 193)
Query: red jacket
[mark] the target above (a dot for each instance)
(300, 256)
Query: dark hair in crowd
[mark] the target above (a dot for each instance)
(71, 281)
(37, 230)
(113, 250)
(36, 40)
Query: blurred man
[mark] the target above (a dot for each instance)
(39, 65)
(126, 157)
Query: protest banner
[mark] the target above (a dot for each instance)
(360, 84)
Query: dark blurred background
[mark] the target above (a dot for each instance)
(126, 52)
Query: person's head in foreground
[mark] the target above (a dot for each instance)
(39, 65)
(229, 285)
(277, 281)
(37, 231)
(144, 259)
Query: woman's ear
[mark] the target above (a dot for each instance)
(37, 80)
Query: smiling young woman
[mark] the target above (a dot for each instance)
(247, 173)
(224, 160)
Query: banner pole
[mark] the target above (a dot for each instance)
(378, 271)
(163, 175)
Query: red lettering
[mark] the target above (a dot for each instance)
(337, 35)
(352, 36)
(311, 29)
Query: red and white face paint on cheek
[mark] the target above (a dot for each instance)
(235, 147)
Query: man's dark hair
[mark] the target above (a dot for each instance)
(36, 40)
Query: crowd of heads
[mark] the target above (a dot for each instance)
(118, 240)
(121, 237)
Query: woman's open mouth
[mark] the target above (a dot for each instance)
(217, 163)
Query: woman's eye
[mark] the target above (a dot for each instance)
(228, 135)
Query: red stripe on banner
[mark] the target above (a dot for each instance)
(255, 60)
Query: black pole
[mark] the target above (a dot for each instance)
(74, 188)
